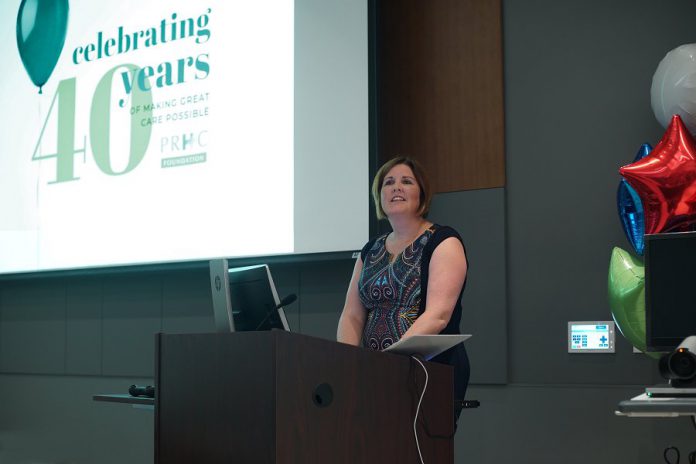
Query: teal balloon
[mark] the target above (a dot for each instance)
(41, 29)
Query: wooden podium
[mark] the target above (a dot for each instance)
(277, 397)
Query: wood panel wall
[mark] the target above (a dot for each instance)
(439, 81)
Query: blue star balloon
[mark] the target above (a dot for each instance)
(631, 208)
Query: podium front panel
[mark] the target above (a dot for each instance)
(281, 398)
(373, 404)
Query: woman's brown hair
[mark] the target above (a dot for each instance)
(418, 173)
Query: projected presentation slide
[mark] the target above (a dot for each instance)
(143, 131)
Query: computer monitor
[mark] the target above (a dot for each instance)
(250, 301)
(670, 289)
(220, 290)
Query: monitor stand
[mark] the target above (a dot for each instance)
(665, 391)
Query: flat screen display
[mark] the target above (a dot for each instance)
(254, 300)
(670, 301)
(176, 131)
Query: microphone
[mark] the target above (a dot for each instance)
(284, 302)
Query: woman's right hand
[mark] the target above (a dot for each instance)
(352, 321)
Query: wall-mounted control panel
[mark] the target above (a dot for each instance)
(591, 337)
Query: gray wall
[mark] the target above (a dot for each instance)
(577, 89)
(578, 76)
(483, 305)
(577, 80)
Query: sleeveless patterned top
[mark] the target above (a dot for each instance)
(390, 291)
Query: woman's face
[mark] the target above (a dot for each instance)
(400, 192)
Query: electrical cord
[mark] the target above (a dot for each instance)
(414, 388)
(420, 400)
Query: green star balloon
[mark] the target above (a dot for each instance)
(627, 297)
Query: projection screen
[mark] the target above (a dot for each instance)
(179, 131)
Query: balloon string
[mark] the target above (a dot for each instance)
(38, 190)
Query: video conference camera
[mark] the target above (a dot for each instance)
(679, 366)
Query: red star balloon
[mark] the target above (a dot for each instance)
(665, 180)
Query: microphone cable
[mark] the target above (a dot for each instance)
(420, 400)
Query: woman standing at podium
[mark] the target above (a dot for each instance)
(409, 281)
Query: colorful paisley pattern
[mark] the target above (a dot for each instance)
(390, 290)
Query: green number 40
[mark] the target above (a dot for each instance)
(99, 128)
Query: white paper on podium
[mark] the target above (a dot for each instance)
(427, 346)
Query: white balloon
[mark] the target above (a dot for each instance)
(673, 88)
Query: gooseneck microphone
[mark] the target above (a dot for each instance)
(284, 302)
